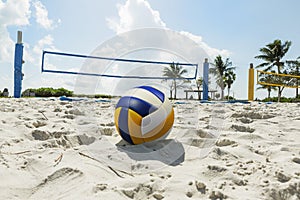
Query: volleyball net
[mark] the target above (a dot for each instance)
(279, 80)
(89, 65)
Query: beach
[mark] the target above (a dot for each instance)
(53, 149)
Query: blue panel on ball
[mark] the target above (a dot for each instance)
(140, 106)
(154, 91)
(123, 125)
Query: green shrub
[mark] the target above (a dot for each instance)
(44, 92)
(230, 98)
(97, 96)
(282, 99)
(47, 92)
(63, 92)
(104, 96)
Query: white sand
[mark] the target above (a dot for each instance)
(51, 149)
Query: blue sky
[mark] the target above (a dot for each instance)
(232, 28)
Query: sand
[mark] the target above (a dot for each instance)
(52, 149)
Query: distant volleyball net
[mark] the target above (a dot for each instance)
(90, 65)
(280, 80)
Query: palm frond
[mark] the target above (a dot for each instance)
(174, 71)
(264, 57)
(263, 65)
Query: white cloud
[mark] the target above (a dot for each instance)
(33, 54)
(132, 24)
(41, 16)
(212, 52)
(33, 77)
(6, 46)
(17, 14)
(12, 13)
(46, 42)
(135, 14)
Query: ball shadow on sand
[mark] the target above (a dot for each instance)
(168, 151)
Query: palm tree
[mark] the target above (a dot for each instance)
(174, 71)
(267, 79)
(219, 70)
(272, 55)
(295, 70)
(268, 88)
(229, 78)
(199, 83)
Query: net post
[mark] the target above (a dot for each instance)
(18, 61)
(251, 83)
(205, 79)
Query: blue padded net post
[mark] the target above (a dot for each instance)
(18, 75)
(205, 79)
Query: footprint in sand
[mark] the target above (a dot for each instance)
(296, 160)
(242, 128)
(40, 135)
(225, 142)
(214, 195)
(39, 123)
(216, 168)
(158, 196)
(281, 177)
(51, 185)
(107, 131)
(252, 115)
(69, 116)
(100, 187)
(201, 187)
(142, 191)
(290, 192)
(246, 120)
(62, 138)
(189, 194)
(76, 112)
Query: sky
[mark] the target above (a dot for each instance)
(232, 28)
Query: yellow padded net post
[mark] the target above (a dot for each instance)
(251, 83)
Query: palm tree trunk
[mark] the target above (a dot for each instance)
(297, 89)
(175, 90)
(280, 89)
(199, 94)
(228, 92)
(279, 94)
(222, 94)
(269, 92)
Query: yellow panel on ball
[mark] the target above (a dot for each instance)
(134, 125)
(161, 129)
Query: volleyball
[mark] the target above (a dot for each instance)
(143, 114)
